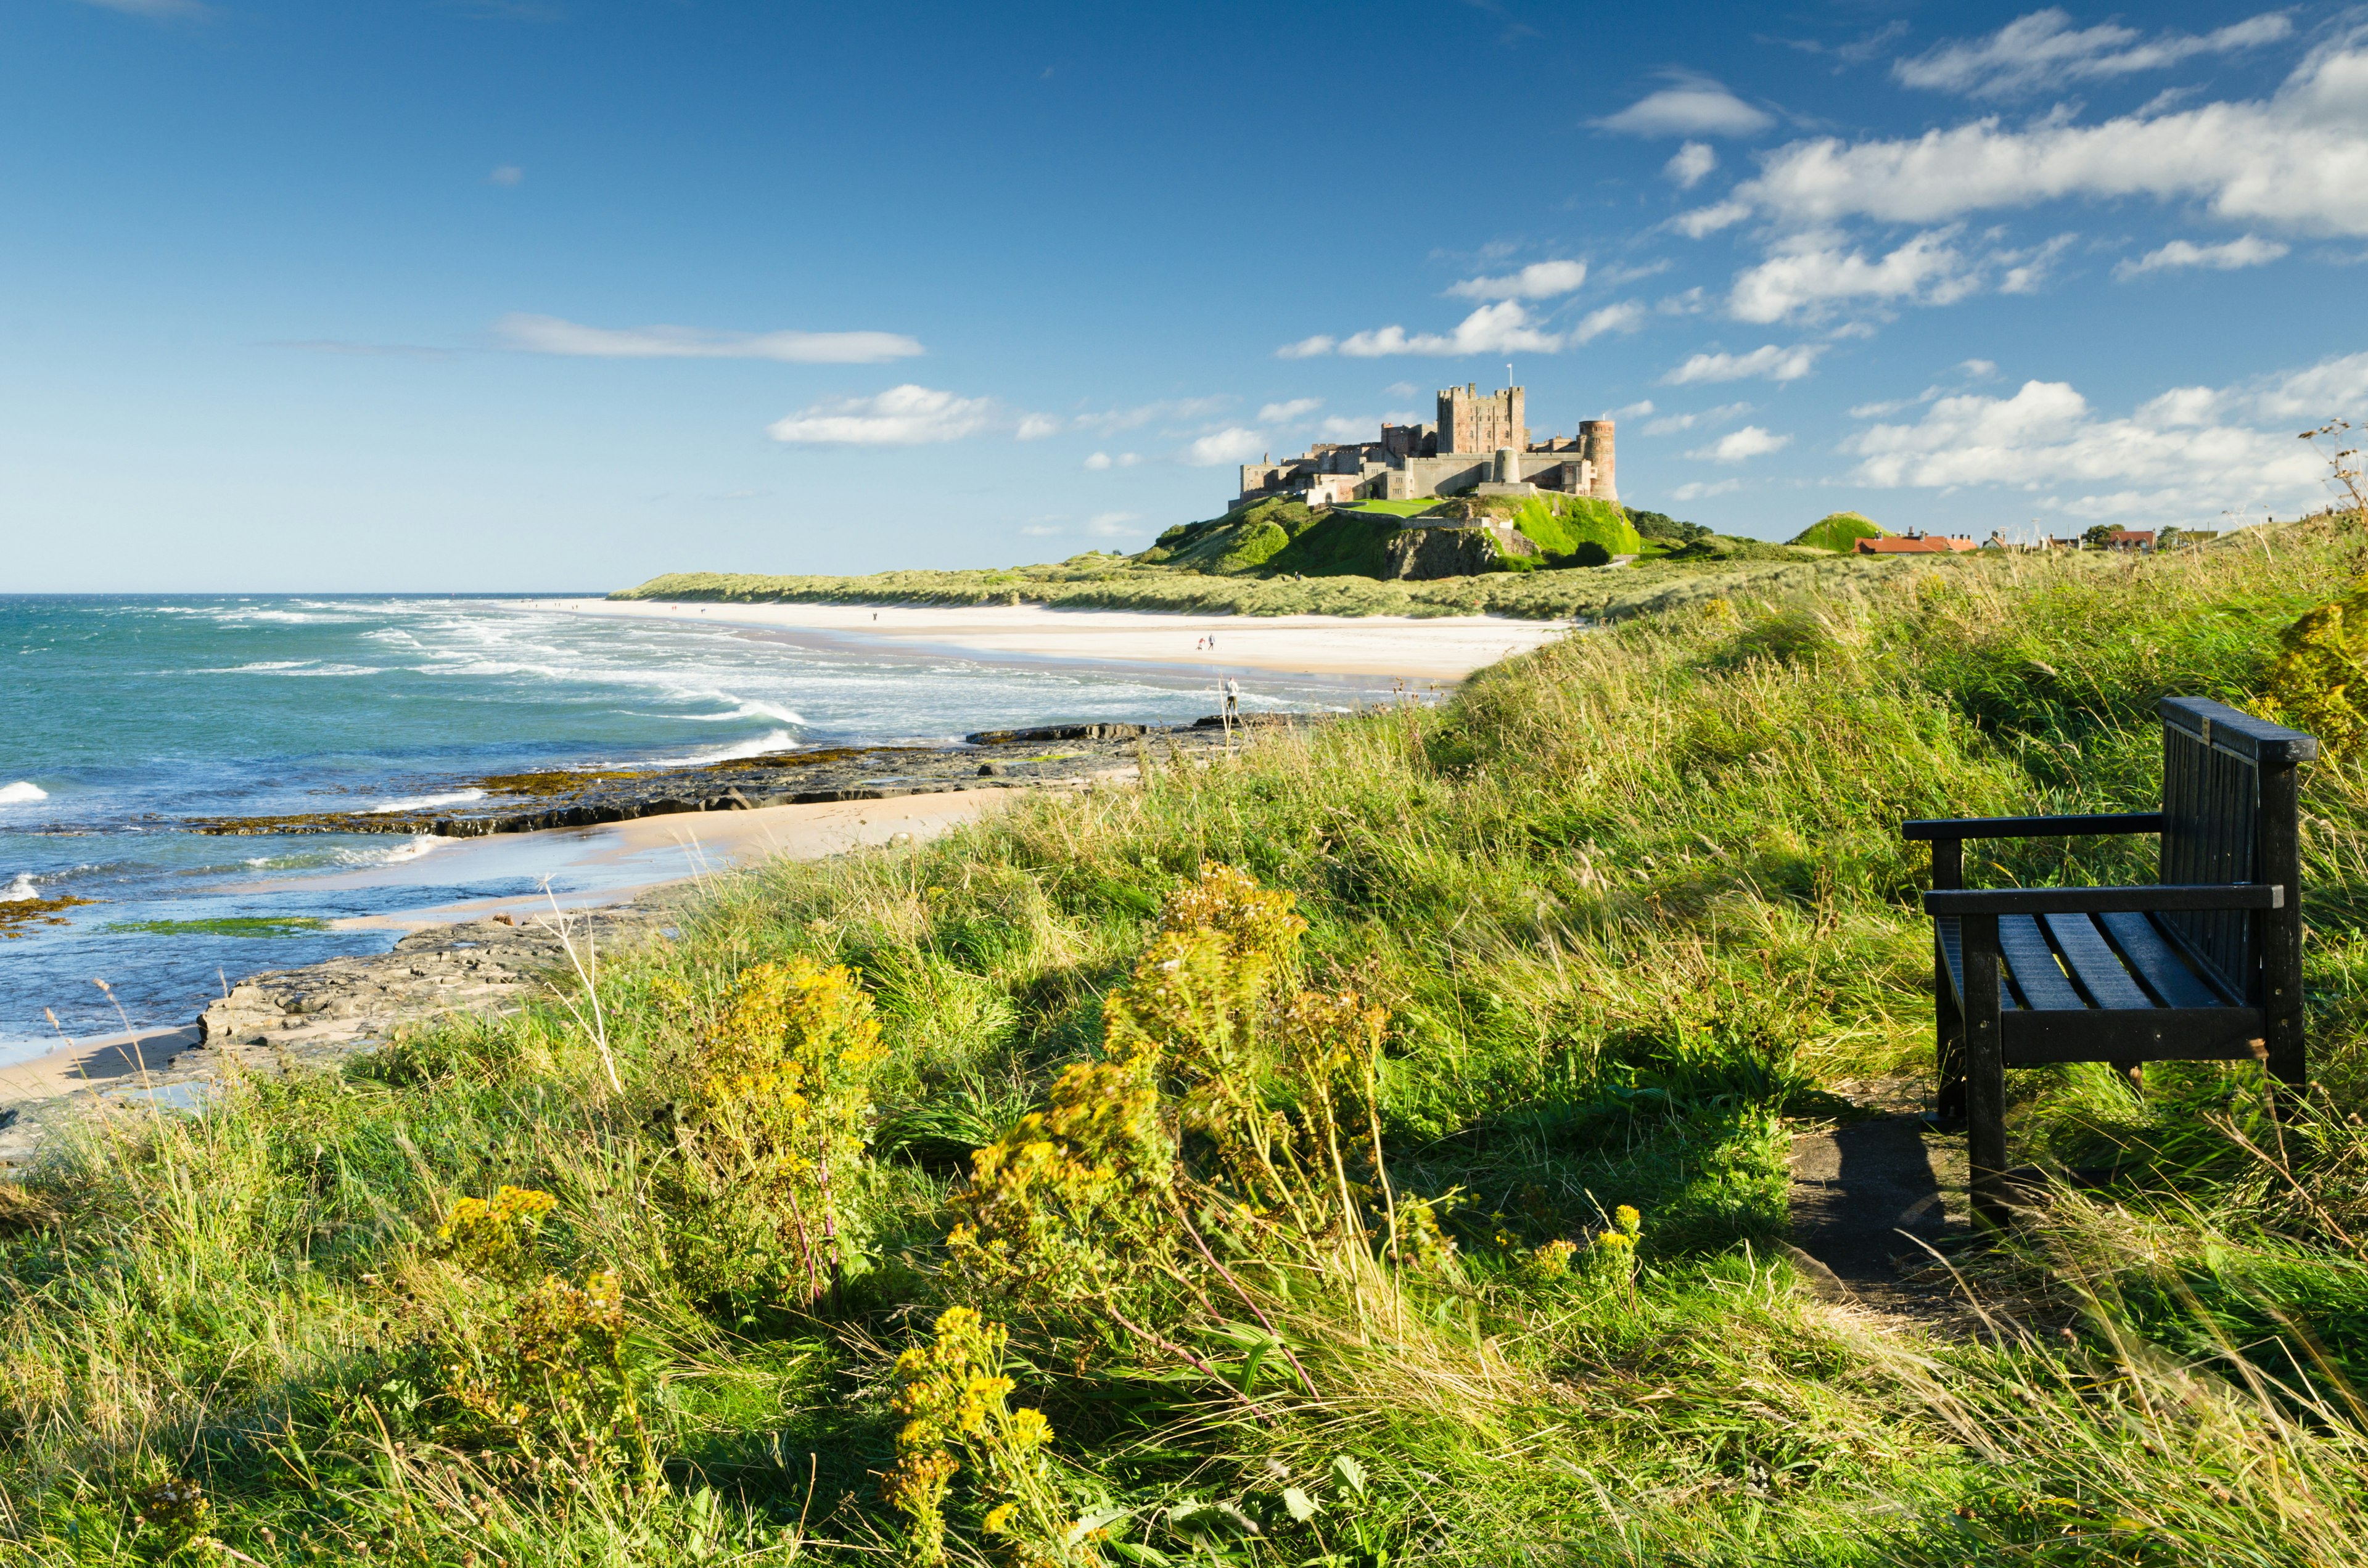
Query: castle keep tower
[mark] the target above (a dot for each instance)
(1470, 423)
(1595, 446)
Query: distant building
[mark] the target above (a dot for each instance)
(1479, 443)
(2129, 538)
(1914, 543)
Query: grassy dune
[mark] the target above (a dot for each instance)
(1284, 1289)
(1111, 582)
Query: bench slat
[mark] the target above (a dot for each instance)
(2093, 962)
(2042, 984)
(1952, 944)
(2156, 963)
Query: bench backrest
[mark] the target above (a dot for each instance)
(2228, 815)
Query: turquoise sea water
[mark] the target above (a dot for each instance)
(120, 717)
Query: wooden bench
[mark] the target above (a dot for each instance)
(2205, 966)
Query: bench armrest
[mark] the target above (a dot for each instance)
(2031, 827)
(2162, 899)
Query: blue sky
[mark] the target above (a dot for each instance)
(492, 294)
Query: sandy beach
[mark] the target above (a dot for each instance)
(1442, 648)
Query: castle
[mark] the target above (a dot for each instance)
(1480, 443)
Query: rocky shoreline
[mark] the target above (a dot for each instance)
(319, 1017)
(989, 759)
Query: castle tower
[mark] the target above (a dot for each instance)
(1470, 423)
(1595, 445)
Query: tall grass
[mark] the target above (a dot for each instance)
(1626, 904)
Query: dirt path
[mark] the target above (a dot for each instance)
(1866, 1192)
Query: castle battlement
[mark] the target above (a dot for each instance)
(1477, 441)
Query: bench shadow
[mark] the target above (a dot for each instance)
(1857, 1188)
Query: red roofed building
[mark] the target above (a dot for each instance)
(1918, 544)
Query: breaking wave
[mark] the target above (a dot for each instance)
(21, 793)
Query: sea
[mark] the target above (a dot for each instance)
(122, 717)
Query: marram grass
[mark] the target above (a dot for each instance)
(1386, 1136)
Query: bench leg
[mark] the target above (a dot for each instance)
(1949, 1046)
(1985, 1073)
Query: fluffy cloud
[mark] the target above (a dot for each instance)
(1113, 524)
(548, 335)
(1502, 328)
(1710, 220)
(1347, 428)
(1539, 280)
(1738, 446)
(1036, 426)
(1672, 423)
(1625, 316)
(1690, 106)
(1811, 272)
(1693, 162)
(1285, 412)
(1768, 360)
(901, 417)
(2044, 50)
(1099, 461)
(1232, 444)
(2183, 456)
(1696, 489)
(2297, 160)
(2247, 250)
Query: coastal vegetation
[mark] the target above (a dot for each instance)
(1682, 574)
(1839, 532)
(1368, 1147)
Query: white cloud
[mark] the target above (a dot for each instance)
(1740, 446)
(506, 174)
(1306, 348)
(1710, 219)
(1172, 410)
(1696, 489)
(2045, 50)
(1346, 427)
(1768, 360)
(1980, 369)
(2027, 269)
(1285, 412)
(1099, 461)
(1636, 410)
(2297, 160)
(1625, 316)
(1041, 530)
(1693, 162)
(548, 335)
(901, 417)
(1691, 105)
(1113, 525)
(1892, 405)
(1399, 389)
(1539, 280)
(1232, 444)
(2247, 250)
(1672, 423)
(1809, 273)
(1036, 426)
(1503, 328)
(2185, 455)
